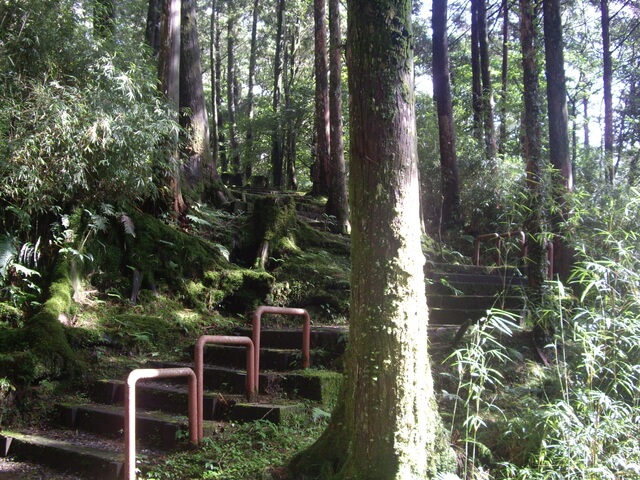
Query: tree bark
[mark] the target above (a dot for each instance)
(607, 78)
(250, 84)
(442, 93)
(559, 152)
(322, 167)
(476, 75)
(169, 75)
(152, 32)
(386, 424)
(193, 110)
(215, 142)
(276, 134)
(504, 78)
(234, 150)
(338, 199)
(487, 90)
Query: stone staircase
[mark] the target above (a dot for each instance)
(87, 440)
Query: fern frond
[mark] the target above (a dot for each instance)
(7, 254)
(127, 223)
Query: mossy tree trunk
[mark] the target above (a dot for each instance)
(386, 425)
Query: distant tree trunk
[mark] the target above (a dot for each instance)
(559, 152)
(607, 78)
(532, 150)
(386, 425)
(169, 75)
(487, 90)
(338, 200)
(234, 147)
(504, 77)
(476, 76)
(291, 129)
(152, 32)
(222, 139)
(215, 143)
(250, 84)
(276, 134)
(104, 18)
(322, 167)
(193, 110)
(442, 93)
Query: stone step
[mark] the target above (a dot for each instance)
(315, 385)
(330, 339)
(472, 278)
(473, 302)
(153, 429)
(71, 454)
(270, 359)
(171, 398)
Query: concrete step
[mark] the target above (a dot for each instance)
(471, 278)
(70, 454)
(435, 301)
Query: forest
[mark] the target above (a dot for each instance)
(169, 166)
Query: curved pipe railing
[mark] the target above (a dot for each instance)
(130, 410)
(306, 332)
(250, 383)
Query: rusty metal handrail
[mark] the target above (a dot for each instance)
(498, 238)
(306, 332)
(130, 410)
(250, 383)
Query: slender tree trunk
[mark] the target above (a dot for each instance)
(291, 128)
(442, 93)
(222, 139)
(338, 200)
(215, 143)
(152, 32)
(476, 76)
(504, 77)
(532, 150)
(250, 84)
(322, 165)
(562, 178)
(607, 78)
(234, 150)
(193, 110)
(276, 135)
(487, 89)
(169, 75)
(386, 426)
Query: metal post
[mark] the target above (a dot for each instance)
(250, 383)
(130, 410)
(306, 333)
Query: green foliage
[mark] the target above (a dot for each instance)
(253, 451)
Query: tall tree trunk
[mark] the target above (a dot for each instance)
(250, 84)
(193, 110)
(607, 78)
(322, 166)
(291, 129)
(562, 178)
(504, 77)
(487, 90)
(476, 76)
(276, 134)
(169, 75)
(152, 32)
(532, 150)
(386, 426)
(215, 143)
(338, 200)
(442, 93)
(222, 139)
(234, 146)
